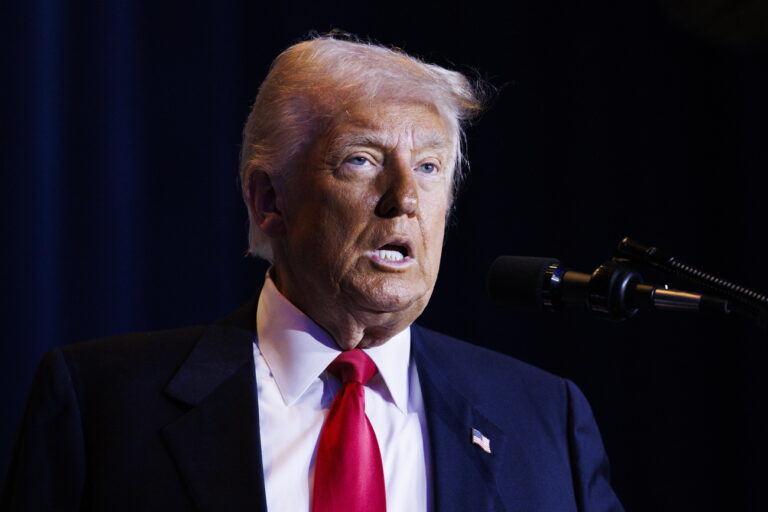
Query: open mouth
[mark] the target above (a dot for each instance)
(392, 252)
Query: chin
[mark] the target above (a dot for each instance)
(391, 304)
(392, 299)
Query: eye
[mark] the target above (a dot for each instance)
(428, 168)
(359, 163)
(358, 160)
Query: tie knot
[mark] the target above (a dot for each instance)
(353, 366)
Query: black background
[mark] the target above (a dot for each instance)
(121, 209)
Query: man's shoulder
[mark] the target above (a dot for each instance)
(486, 374)
(464, 354)
(138, 345)
(157, 345)
(127, 359)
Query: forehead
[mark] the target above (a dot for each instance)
(389, 124)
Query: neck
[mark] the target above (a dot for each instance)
(350, 328)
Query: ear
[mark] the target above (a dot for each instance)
(263, 201)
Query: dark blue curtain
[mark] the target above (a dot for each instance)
(121, 209)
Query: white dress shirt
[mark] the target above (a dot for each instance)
(292, 353)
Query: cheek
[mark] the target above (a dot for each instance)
(340, 219)
(437, 215)
(434, 235)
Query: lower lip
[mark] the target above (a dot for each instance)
(391, 264)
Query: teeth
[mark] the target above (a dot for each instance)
(389, 255)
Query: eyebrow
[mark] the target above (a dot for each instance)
(347, 139)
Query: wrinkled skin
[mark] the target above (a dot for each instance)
(380, 174)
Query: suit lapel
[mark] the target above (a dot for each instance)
(215, 444)
(464, 477)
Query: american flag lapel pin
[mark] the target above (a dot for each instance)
(480, 440)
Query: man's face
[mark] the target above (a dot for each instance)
(365, 215)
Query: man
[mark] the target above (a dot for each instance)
(349, 163)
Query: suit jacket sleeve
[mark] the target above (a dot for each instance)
(47, 470)
(588, 459)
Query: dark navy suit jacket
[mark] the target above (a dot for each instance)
(169, 421)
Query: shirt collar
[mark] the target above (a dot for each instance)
(297, 350)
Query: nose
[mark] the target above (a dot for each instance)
(400, 196)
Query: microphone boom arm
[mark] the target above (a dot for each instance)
(741, 299)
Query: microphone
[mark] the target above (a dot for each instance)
(613, 290)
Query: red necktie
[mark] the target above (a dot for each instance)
(349, 476)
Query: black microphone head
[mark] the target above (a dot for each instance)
(519, 280)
